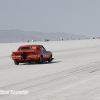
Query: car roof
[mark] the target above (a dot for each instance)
(29, 45)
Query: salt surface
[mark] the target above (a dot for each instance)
(73, 75)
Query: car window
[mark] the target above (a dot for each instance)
(42, 48)
(23, 48)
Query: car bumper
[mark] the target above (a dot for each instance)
(27, 58)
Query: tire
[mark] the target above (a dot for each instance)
(40, 60)
(50, 59)
(16, 62)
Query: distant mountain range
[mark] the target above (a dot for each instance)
(19, 35)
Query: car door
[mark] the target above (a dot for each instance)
(45, 54)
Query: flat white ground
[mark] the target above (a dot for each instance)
(73, 75)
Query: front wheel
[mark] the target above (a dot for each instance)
(16, 62)
(50, 59)
(40, 60)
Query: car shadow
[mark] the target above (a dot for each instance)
(34, 63)
(51, 62)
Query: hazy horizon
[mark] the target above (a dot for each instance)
(79, 17)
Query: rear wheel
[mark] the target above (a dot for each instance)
(40, 60)
(16, 62)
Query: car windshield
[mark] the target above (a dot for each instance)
(23, 48)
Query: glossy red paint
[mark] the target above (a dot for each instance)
(28, 53)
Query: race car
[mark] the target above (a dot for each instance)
(29, 53)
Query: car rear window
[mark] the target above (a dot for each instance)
(23, 48)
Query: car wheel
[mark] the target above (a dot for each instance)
(16, 62)
(40, 60)
(50, 59)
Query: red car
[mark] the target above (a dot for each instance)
(29, 53)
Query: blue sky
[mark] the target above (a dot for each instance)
(81, 17)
